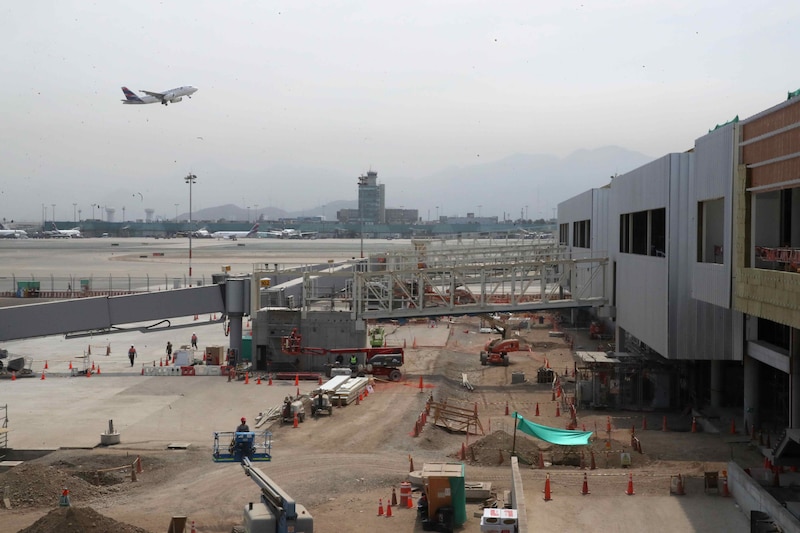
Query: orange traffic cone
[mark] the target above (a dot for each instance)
(88, 372)
(142, 369)
(70, 365)
(380, 507)
(92, 366)
(421, 385)
(258, 380)
(537, 408)
(694, 425)
(296, 380)
(547, 489)
(160, 362)
(410, 463)
(319, 381)
(394, 497)
(541, 460)
(608, 424)
(270, 380)
(558, 411)
(13, 376)
(463, 455)
(98, 370)
(414, 344)
(388, 510)
(42, 374)
(506, 407)
(630, 492)
(585, 489)
(194, 529)
(247, 378)
(45, 364)
(410, 501)
(295, 422)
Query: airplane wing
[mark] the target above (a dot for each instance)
(150, 93)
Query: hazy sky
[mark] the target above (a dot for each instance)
(406, 88)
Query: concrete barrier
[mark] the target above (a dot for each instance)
(751, 496)
(212, 370)
(200, 370)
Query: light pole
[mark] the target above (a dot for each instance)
(248, 214)
(190, 179)
(75, 212)
(79, 214)
(255, 214)
(54, 213)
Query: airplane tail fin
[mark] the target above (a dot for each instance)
(130, 96)
(253, 230)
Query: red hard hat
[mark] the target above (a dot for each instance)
(244, 419)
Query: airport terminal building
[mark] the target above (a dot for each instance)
(703, 273)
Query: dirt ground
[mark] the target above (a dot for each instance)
(339, 467)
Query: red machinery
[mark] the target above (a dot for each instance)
(496, 351)
(385, 361)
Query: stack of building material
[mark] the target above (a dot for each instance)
(349, 391)
(332, 385)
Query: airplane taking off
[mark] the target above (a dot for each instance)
(74, 232)
(173, 95)
(253, 232)
(7, 233)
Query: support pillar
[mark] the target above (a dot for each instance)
(715, 387)
(794, 379)
(751, 378)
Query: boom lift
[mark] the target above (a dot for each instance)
(384, 361)
(277, 512)
(243, 445)
(496, 351)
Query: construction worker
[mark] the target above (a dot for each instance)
(243, 427)
(354, 363)
(169, 351)
(194, 341)
(132, 354)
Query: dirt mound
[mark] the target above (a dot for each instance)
(79, 520)
(36, 485)
(486, 451)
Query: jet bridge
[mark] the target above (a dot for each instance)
(228, 296)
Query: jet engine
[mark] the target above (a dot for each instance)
(178, 99)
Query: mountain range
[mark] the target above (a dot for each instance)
(518, 186)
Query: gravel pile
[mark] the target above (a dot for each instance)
(79, 520)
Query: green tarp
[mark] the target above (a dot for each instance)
(563, 437)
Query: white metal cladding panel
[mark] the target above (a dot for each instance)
(576, 208)
(642, 299)
(713, 178)
(646, 187)
(706, 332)
(714, 164)
(679, 222)
(601, 222)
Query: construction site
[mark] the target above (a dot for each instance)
(511, 419)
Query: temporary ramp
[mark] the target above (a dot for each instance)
(562, 437)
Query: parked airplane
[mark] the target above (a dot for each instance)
(173, 95)
(202, 233)
(252, 232)
(8, 233)
(288, 233)
(74, 232)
